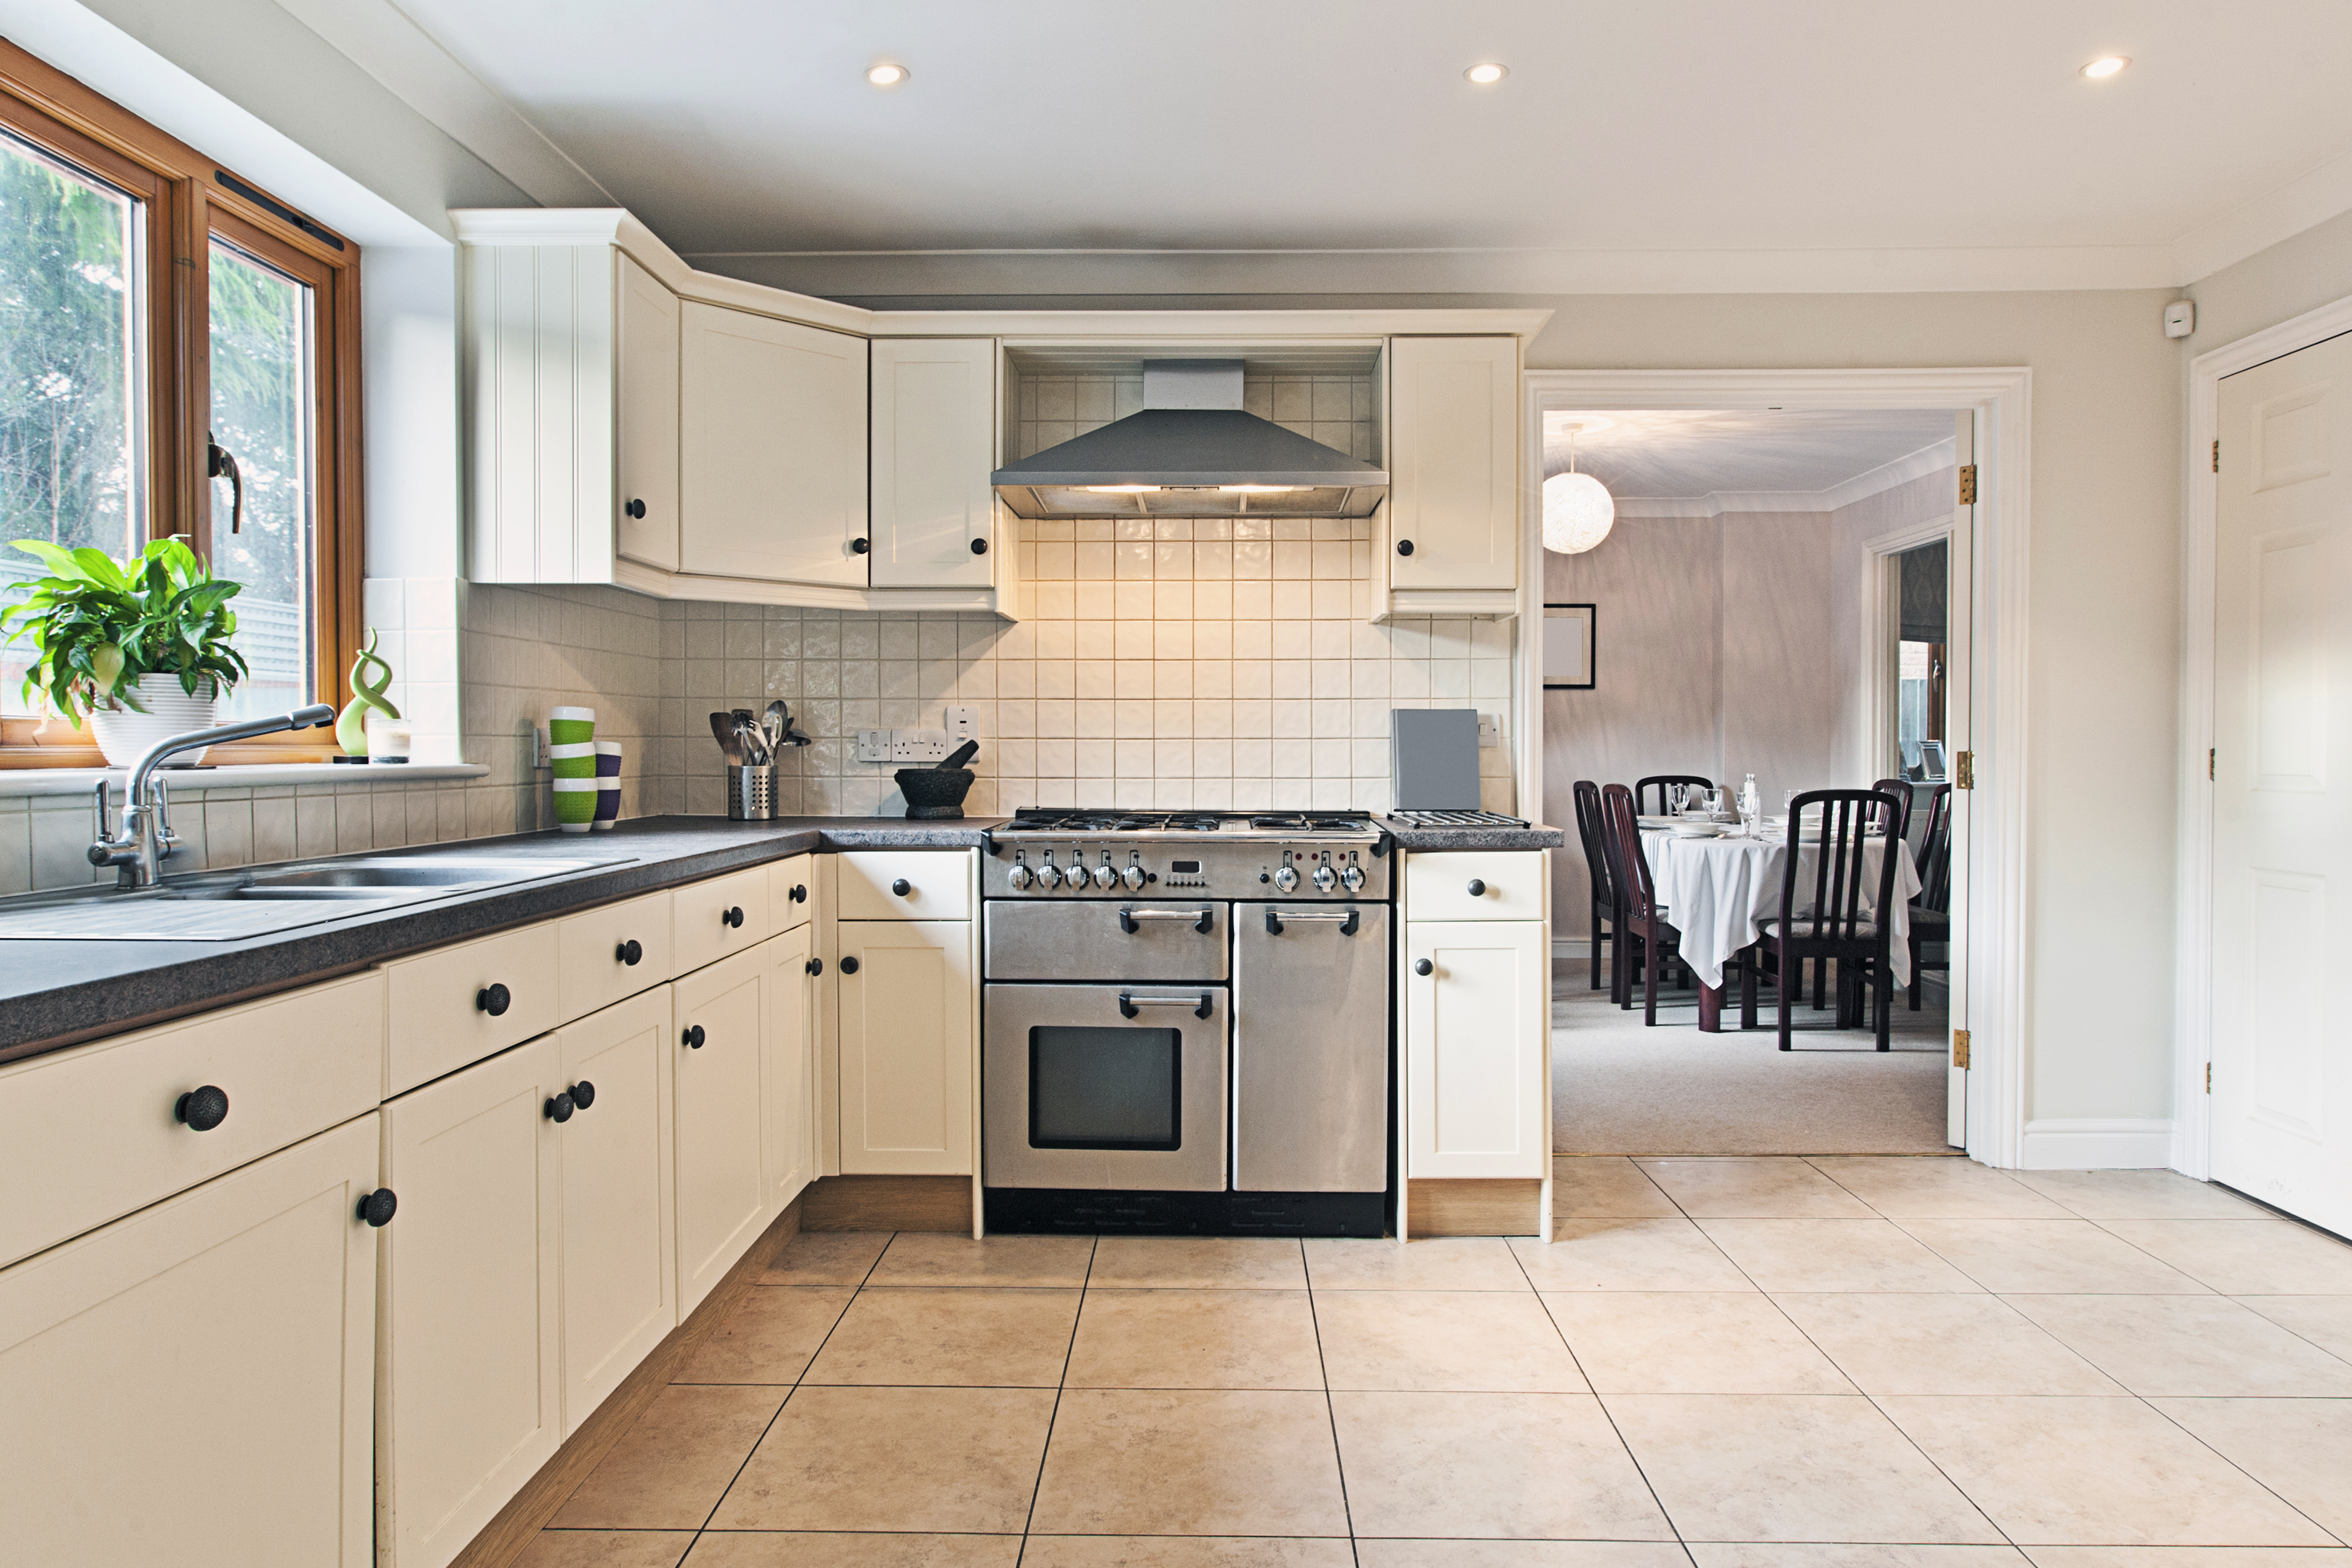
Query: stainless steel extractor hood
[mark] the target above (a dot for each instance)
(1192, 452)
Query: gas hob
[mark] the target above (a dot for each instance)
(1038, 821)
(1044, 853)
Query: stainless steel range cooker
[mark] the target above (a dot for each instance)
(1187, 1023)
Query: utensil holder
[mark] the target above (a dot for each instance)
(752, 794)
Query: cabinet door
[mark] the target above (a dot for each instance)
(718, 1016)
(620, 1250)
(1454, 462)
(469, 1401)
(934, 443)
(789, 1067)
(906, 1047)
(771, 474)
(192, 1385)
(1474, 1048)
(646, 396)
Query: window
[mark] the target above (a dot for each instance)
(1920, 685)
(178, 352)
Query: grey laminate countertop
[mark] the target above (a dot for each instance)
(1408, 836)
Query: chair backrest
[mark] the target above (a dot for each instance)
(1590, 829)
(1642, 787)
(1836, 909)
(1936, 853)
(1636, 895)
(1896, 822)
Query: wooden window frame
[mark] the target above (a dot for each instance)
(187, 204)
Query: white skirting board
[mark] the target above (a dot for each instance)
(2098, 1143)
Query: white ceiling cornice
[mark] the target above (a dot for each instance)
(2304, 202)
(1918, 465)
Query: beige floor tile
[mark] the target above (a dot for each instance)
(826, 1257)
(1782, 1254)
(1753, 1189)
(2067, 1256)
(2300, 1448)
(1440, 1263)
(1196, 1339)
(2246, 1257)
(2061, 1471)
(2325, 1320)
(939, 1259)
(1605, 1186)
(605, 1549)
(1448, 1340)
(1628, 1254)
(967, 1337)
(1941, 1344)
(2138, 1195)
(1198, 1263)
(796, 1548)
(1816, 1554)
(2189, 1556)
(770, 1336)
(1185, 1552)
(915, 1459)
(1691, 1342)
(1190, 1462)
(1763, 1467)
(667, 1470)
(1520, 1554)
(2190, 1346)
(1487, 1465)
(1937, 1189)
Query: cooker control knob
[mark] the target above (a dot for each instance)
(1105, 874)
(1353, 878)
(1286, 879)
(1049, 875)
(1325, 879)
(1132, 876)
(1075, 880)
(1018, 877)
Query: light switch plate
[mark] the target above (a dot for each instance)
(963, 722)
(912, 748)
(539, 748)
(873, 745)
(1490, 729)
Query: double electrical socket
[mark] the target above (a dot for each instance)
(912, 748)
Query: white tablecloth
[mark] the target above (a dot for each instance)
(1717, 890)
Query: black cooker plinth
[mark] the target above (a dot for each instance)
(1062, 1211)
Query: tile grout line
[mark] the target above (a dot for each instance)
(1330, 1409)
(1036, 1488)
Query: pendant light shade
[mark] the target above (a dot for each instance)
(1576, 514)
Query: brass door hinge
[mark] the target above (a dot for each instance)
(1960, 1048)
(1964, 770)
(2209, 774)
(2209, 1078)
(1967, 484)
(2216, 454)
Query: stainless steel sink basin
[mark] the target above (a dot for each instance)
(227, 906)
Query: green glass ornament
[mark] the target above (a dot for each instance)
(351, 730)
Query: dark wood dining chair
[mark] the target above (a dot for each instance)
(1896, 822)
(1931, 916)
(1646, 941)
(1826, 916)
(1605, 905)
(1662, 782)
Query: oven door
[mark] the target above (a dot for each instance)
(1105, 1087)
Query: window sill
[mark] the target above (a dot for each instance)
(42, 781)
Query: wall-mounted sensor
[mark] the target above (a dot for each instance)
(2180, 317)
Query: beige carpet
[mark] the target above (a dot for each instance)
(1621, 1088)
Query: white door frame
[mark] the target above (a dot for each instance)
(2192, 975)
(2003, 398)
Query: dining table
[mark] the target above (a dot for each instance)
(1719, 890)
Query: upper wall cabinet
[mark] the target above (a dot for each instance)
(934, 444)
(1453, 535)
(647, 382)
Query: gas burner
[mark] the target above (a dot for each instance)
(1311, 821)
(1040, 819)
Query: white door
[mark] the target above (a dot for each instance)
(1453, 480)
(193, 1383)
(771, 472)
(1960, 563)
(906, 1047)
(715, 1044)
(787, 1071)
(934, 441)
(646, 398)
(1474, 1026)
(2281, 1088)
(469, 1392)
(620, 1251)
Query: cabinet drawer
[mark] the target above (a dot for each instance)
(792, 892)
(726, 914)
(441, 1003)
(1510, 882)
(611, 952)
(91, 1134)
(937, 884)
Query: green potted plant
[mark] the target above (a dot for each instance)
(140, 647)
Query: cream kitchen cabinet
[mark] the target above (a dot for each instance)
(193, 1385)
(933, 445)
(773, 463)
(907, 1003)
(646, 394)
(1476, 1014)
(1452, 543)
(719, 1020)
(788, 1066)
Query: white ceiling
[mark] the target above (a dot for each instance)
(1833, 144)
(1699, 462)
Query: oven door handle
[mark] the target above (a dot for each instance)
(1204, 922)
(1350, 922)
(1131, 1004)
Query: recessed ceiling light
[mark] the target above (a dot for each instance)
(2106, 66)
(1488, 74)
(887, 74)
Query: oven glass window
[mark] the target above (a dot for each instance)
(1094, 1088)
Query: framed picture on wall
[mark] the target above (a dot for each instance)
(1567, 648)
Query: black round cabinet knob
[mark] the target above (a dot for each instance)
(799, 894)
(560, 1109)
(629, 951)
(902, 887)
(583, 1094)
(979, 547)
(816, 966)
(1478, 889)
(694, 1038)
(733, 916)
(377, 1207)
(493, 1000)
(1404, 547)
(859, 547)
(1422, 966)
(635, 509)
(849, 964)
(202, 1108)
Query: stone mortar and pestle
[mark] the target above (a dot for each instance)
(937, 793)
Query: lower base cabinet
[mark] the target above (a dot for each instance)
(905, 1047)
(204, 1371)
(1477, 1006)
(790, 1066)
(720, 1015)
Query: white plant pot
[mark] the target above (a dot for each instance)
(125, 733)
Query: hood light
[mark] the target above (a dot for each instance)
(1122, 490)
(889, 73)
(1487, 74)
(2106, 66)
(1259, 490)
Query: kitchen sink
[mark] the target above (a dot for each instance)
(228, 906)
